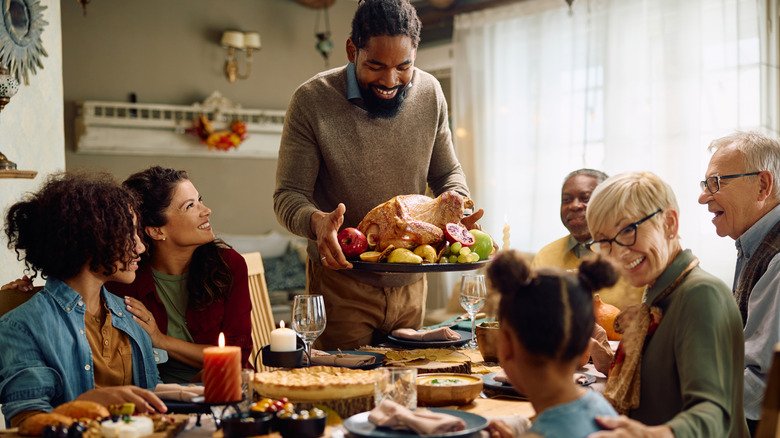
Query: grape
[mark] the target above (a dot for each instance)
(452, 259)
(463, 258)
(465, 251)
(443, 259)
(455, 247)
(474, 257)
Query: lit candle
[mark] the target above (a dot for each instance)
(222, 373)
(506, 235)
(283, 339)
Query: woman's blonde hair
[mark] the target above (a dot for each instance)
(629, 194)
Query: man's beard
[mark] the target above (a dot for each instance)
(379, 108)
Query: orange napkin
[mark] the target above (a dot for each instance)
(319, 357)
(439, 334)
(501, 377)
(421, 421)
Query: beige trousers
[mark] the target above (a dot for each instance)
(359, 314)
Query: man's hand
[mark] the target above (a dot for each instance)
(145, 401)
(326, 227)
(623, 426)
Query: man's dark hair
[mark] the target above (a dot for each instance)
(384, 17)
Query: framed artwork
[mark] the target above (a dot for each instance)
(21, 26)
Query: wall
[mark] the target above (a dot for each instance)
(168, 52)
(31, 130)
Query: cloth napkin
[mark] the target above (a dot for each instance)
(421, 421)
(174, 391)
(319, 357)
(439, 334)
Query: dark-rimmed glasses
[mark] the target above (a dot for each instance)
(713, 183)
(624, 237)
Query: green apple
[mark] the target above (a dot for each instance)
(483, 245)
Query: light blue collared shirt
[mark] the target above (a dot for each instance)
(762, 329)
(45, 358)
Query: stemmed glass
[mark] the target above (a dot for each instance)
(473, 294)
(308, 319)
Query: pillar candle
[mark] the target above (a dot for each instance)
(222, 373)
(506, 235)
(283, 339)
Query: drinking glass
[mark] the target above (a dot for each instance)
(473, 294)
(308, 319)
(398, 385)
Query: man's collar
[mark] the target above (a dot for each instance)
(353, 90)
(749, 240)
(580, 250)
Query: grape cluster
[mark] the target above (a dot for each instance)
(302, 414)
(76, 430)
(457, 253)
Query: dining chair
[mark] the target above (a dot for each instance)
(262, 316)
(10, 299)
(770, 407)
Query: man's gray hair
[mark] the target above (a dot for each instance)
(599, 175)
(761, 152)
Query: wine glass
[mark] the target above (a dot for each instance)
(473, 294)
(308, 319)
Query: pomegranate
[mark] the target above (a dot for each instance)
(456, 232)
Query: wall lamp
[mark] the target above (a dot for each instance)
(235, 40)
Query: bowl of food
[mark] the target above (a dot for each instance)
(257, 423)
(301, 423)
(447, 389)
(487, 340)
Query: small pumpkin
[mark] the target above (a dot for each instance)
(605, 316)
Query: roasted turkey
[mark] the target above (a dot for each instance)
(407, 221)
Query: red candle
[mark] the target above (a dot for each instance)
(222, 373)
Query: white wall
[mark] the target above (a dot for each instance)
(31, 130)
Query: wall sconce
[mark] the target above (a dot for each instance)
(8, 87)
(234, 40)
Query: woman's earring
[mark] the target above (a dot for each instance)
(164, 238)
(671, 236)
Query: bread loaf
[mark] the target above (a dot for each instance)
(33, 425)
(79, 409)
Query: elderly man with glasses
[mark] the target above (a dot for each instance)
(740, 190)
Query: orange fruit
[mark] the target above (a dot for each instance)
(605, 317)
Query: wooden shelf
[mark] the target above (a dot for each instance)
(10, 173)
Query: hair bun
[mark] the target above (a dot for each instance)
(509, 271)
(597, 273)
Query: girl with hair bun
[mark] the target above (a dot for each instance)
(546, 320)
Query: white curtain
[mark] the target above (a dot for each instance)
(617, 85)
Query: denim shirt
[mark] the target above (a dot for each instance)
(45, 358)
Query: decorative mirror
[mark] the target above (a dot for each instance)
(21, 26)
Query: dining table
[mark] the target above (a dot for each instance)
(488, 405)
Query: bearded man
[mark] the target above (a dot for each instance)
(354, 137)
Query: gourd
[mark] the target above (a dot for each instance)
(605, 316)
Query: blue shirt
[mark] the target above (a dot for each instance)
(573, 419)
(46, 359)
(762, 328)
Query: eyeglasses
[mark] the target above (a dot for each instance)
(713, 183)
(624, 237)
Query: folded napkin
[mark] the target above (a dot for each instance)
(439, 334)
(501, 377)
(174, 391)
(421, 421)
(319, 357)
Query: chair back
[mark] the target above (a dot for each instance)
(10, 299)
(770, 407)
(262, 316)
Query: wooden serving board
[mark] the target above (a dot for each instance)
(173, 428)
(440, 367)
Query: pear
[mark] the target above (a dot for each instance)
(403, 255)
(427, 253)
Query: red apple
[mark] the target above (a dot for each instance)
(353, 242)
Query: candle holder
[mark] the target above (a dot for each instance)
(219, 410)
(283, 359)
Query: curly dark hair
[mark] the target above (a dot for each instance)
(75, 219)
(550, 310)
(384, 17)
(210, 278)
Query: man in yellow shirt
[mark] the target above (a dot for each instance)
(566, 252)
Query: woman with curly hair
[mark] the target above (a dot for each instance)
(546, 318)
(73, 339)
(190, 286)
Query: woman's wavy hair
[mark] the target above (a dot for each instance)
(210, 278)
(75, 219)
(550, 310)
